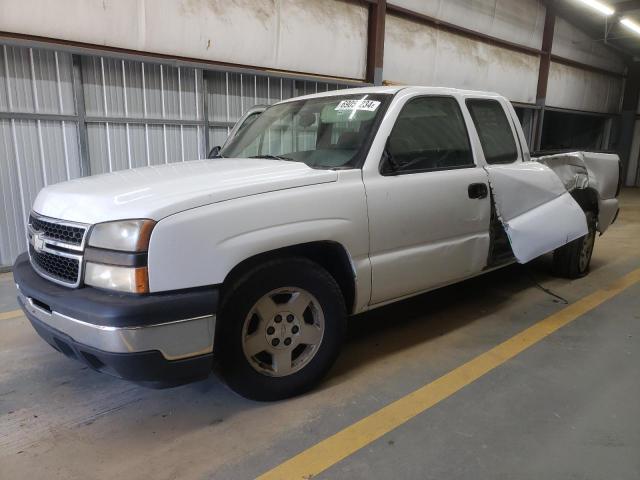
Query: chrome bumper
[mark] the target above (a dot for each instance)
(175, 340)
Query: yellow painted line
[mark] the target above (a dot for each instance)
(11, 314)
(337, 447)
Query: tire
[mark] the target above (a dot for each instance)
(290, 300)
(573, 259)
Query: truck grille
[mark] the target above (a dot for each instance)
(61, 232)
(54, 266)
(56, 248)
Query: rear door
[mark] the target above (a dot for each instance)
(537, 212)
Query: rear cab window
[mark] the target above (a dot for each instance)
(495, 131)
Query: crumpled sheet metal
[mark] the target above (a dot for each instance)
(520, 187)
(545, 228)
(535, 209)
(580, 170)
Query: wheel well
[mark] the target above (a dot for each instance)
(332, 256)
(587, 198)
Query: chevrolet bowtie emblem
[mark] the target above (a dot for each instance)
(38, 242)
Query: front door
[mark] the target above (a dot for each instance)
(429, 208)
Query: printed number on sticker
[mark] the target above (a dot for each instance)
(368, 105)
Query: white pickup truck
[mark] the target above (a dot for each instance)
(324, 206)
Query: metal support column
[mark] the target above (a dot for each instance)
(205, 110)
(78, 96)
(628, 117)
(543, 74)
(375, 41)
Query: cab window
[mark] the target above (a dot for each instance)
(494, 130)
(429, 134)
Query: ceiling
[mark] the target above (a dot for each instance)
(596, 24)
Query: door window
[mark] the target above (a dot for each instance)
(429, 134)
(494, 130)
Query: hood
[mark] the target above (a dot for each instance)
(158, 191)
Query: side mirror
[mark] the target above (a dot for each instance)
(214, 152)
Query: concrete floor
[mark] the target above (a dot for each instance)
(565, 408)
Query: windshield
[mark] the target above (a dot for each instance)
(326, 132)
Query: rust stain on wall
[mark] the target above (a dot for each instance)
(410, 35)
(341, 17)
(262, 10)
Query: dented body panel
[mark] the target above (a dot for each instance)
(598, 172)
(537, 212)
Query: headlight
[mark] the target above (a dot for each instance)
(122, 279)
(115, 271)
(125, 235)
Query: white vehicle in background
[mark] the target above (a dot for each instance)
(324, 206)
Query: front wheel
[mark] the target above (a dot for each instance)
(282, 325)
(573, 259)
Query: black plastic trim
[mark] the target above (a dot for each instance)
(615, 217)
(100, 307)
(114, 257)
(426, 170)
(620, 178)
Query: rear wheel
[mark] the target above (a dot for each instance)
(573, 259)
(282, 326)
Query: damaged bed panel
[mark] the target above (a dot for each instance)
(535, 209)
(599, 172)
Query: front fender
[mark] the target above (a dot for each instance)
(201, 246)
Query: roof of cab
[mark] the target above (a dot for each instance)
(395, 89)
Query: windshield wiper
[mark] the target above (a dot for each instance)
(274, 157)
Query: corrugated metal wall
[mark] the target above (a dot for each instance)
(38, 135)
(229, 95)
(64, 116)
(141, 114)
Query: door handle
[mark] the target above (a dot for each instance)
(478, 190)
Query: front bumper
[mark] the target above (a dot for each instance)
(158, 339)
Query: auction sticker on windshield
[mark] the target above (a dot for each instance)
(368, 105)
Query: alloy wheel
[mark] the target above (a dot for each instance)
(283, 331)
